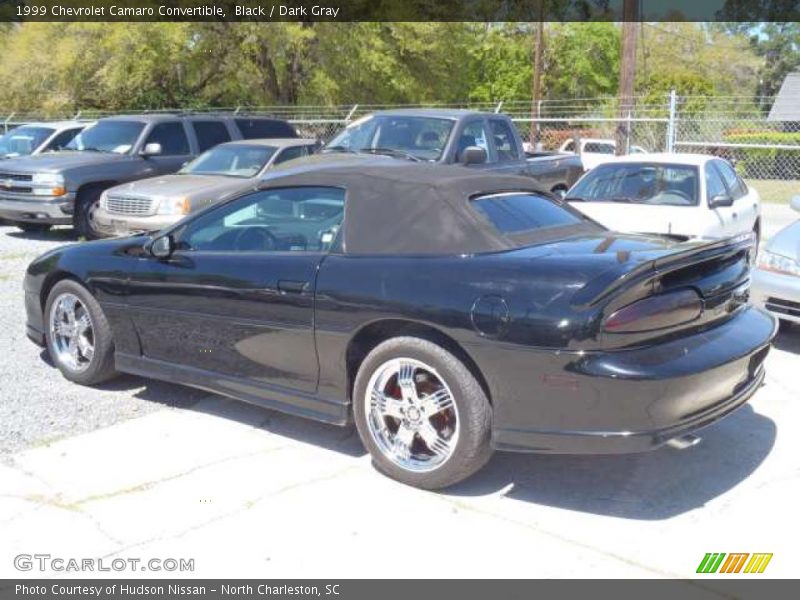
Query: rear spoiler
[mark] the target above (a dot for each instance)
(598, 290)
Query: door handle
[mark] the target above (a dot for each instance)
(286, 286)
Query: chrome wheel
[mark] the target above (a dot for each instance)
(411, 415)
(72, 332)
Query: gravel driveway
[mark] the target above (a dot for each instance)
(37, 405)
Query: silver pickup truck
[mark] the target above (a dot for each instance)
(64, 188)
(478, 140)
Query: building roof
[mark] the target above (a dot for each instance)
(787, 103)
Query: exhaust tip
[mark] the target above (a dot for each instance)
(683, 442)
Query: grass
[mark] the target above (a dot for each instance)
(779, 191)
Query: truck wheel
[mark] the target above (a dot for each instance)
(85, 206)
(421, 413)
(33, 227)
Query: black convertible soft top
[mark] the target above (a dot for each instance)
(398, 207)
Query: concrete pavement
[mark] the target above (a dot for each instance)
(245, 491)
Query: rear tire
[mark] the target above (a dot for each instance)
(33, 227)
(421, 413)
(78, 335)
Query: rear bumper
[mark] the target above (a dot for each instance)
(113, 225)
(638, 399)
(776, 293)
(52, 211)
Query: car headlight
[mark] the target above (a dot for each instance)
(175, 206)
(104, 200)
(769, 261)
(48, 184)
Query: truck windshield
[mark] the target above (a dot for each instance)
(23, 140)
(418, 138)
(231, 161)
(116, 137)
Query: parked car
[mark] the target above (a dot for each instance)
(776, 281)
(482, 141)
(36, 138)
(152, 204)
(593, 151)
(63, 188)
(448, 312)
(691, 195)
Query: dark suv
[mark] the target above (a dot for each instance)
(64, 187)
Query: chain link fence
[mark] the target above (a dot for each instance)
(765, 152)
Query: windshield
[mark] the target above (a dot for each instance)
(420, 138)
(231, 161)
(117, 137)
(23, 140)
(639, 183)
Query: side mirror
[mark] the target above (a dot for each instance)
(721, 200)
(795, 203)
(161, 247)
(152, 150)
(473, 155)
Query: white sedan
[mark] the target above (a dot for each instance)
(692, 195)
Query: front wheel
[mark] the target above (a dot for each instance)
(78, 334)
(421, 413)
(86, 205)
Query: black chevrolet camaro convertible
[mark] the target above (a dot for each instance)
(446, 312)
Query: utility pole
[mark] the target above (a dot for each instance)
(627, 74)
(537, 75)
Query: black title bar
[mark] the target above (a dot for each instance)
(260, 589)
(266, 11)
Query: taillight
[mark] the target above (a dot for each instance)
(656, 312)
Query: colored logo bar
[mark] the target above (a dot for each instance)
(735, 562)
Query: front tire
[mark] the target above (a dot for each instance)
(86, 204)
(421, 413)
(78, 335)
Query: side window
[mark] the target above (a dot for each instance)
(292, 219)
(474, 134)
(210, 134)
(735, 185)
(714, 185)
(252, 129)
(598, 148)
(570, 147)
(62, 139)
(172, 138)
(504, 141)
(291, 153)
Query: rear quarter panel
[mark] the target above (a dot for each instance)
(441, 293)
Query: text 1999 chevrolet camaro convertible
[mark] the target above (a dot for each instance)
(447, 312)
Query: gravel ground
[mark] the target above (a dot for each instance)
(37, 405)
